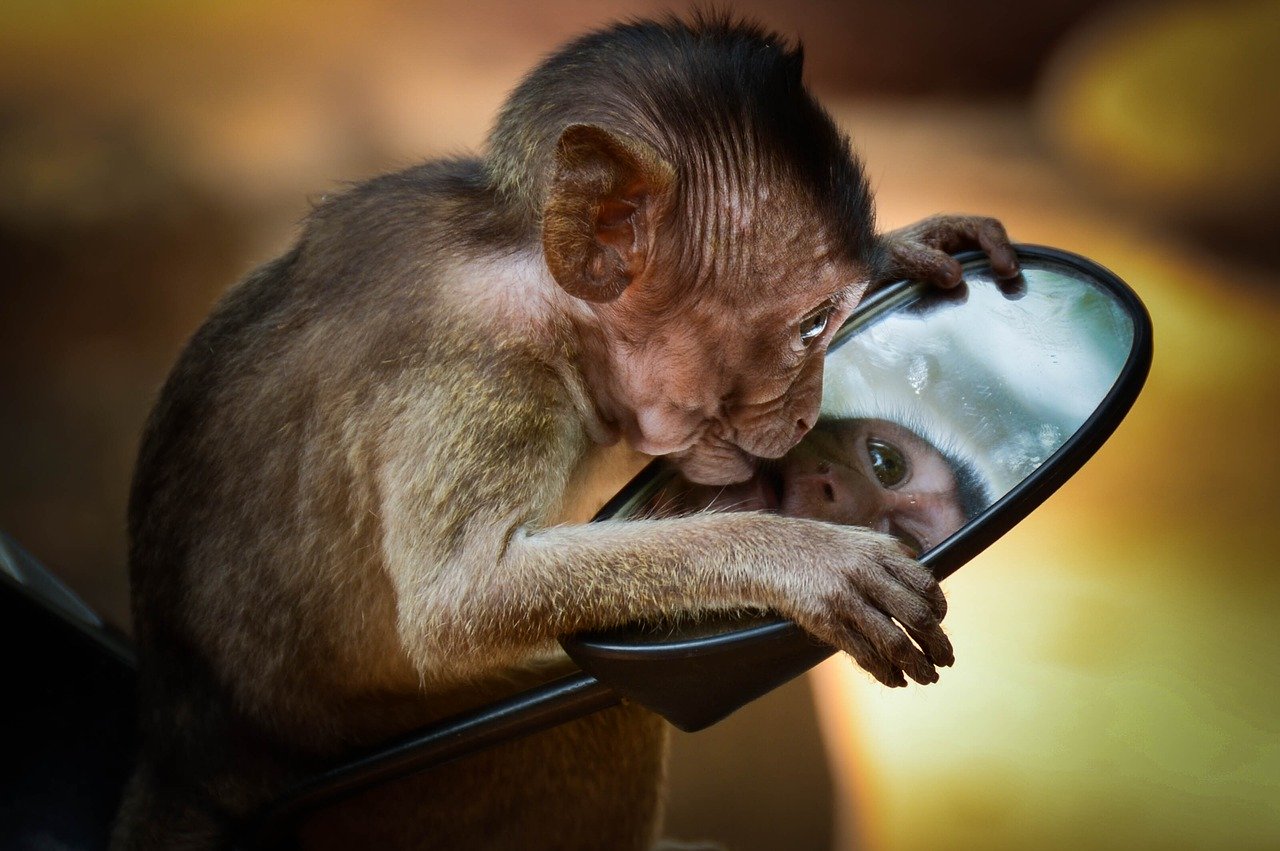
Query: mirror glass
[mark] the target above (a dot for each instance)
(937, 403)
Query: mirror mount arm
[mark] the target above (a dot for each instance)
(534, 710)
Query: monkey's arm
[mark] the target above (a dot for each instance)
(475, 462)
(922, 251)
(514, 591)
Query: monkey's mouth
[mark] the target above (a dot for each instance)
(713, 461)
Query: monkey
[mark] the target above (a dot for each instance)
(354, 509)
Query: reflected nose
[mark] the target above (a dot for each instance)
(846, 496)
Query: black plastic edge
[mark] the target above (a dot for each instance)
(62, 604)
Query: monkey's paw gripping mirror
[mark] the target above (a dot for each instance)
(947, 416)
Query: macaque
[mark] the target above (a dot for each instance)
(351, 509)
(858, 471)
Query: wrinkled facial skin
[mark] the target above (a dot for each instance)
(727, 368)
(862, 472)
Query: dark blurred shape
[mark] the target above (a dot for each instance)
(67, 719)
(1174, 111)
(758, 780)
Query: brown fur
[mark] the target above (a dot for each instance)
(343, 521)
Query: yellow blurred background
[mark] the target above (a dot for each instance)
(1116, 676)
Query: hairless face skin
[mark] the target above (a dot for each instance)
(856, 472)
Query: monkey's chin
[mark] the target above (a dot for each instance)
(720, 464)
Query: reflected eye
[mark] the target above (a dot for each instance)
(887, 461)
(812, 326)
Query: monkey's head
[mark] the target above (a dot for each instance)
(716, 307)
(720, 230)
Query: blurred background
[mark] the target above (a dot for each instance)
(1117, 673)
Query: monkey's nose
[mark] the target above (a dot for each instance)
(826, 482)
(802, 428)
(841, 495)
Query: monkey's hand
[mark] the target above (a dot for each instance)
(878, 605)
(922, 251)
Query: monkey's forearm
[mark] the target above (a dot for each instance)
(843, 584)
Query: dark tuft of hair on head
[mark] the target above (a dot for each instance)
(723, 99)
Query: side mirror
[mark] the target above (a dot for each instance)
(993, 394)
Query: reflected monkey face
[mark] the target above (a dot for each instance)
(860, 472)
(873, 473)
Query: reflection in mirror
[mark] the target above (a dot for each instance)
(937, 404)
(857, 471)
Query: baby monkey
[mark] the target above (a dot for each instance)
(346, 515)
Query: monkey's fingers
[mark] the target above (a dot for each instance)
(915, 248)
(994, 241)
(917, 262)
(918, 578)
(847, 638)
(893, 643)
(917, 617)
(985, 233)
(936, 645)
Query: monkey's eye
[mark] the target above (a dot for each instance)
(812, 326)
(887, 461)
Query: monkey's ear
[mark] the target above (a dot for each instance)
(607, 193)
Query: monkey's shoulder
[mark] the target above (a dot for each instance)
(435, 179)
(435, 210)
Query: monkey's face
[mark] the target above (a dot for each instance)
(730, 373)
(717, 292)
